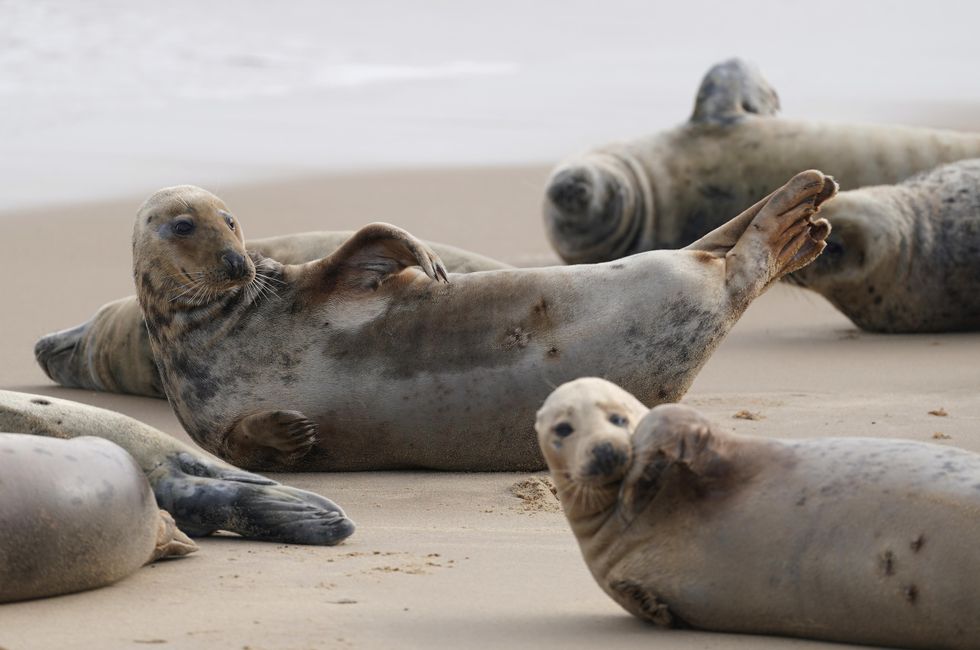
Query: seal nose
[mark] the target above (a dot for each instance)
(571, 190)
(234, 263)
(606, 459)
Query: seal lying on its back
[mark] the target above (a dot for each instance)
(202, 493)
(905, 258)
(669, 189)
(111, 352)
(360, 361)
(75, 515)
(846, 539)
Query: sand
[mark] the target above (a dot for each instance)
(439, 560)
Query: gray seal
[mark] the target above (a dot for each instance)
(203, 494)
(854, 540)
(375, 358)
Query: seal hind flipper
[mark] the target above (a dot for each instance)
(171, 541)
(730, 91)
(374, 253)
(206, 497)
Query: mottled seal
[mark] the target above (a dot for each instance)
(370, 359)
(668, 189)
(202, 493)
(75, 515)
(111, 352)
(906, 257)
(846, 539)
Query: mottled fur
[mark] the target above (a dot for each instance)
(853, 540)
(906, 257)
(363, 361)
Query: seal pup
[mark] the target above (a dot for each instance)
(905, 258)
(202, 493)
(374, 358)
(854, 540)
(668, 189)
(111, 352)
(75, 515)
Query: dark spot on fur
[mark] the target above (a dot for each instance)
(553, 353)
(662, 394)
(911, 593)
(916, 544)
(887, 563)
(617, 267)
(42, 402)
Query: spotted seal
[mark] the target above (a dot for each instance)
(75, 515)
(905, 258)
(854, 540)
(668, 189)
(375, 358)
(111, 352)
(202, 493)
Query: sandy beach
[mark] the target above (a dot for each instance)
(444, 121)
(439, 560)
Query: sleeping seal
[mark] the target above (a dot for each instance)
(375, 358)
(854, 540)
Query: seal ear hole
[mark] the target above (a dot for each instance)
(618, 420)
(564, 429)
(183, 227)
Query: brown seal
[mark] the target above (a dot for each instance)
(370, 359)
(203, 494)
(668, 189)
(906, 257)
(75, 515)
(855, 540)
(111, 352)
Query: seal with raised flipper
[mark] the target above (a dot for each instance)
(854, 540)
(203, 494)
(111, 352)
(668, 189)
(375, 358)
(75, 515)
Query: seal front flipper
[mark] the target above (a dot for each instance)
(270, 438)
(171, 541)
(673, 449)
(730, 91)
(206, 497)
(375, 252)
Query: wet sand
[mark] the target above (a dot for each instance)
(438, 560)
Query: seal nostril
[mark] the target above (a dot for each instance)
(606, 459)
(571, 190)
(234, 263)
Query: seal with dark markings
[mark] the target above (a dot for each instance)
(374, 358)
(203, 494)
(668, 189)
(75, 515)
(854, 540)
(905, 258)
(111, 351)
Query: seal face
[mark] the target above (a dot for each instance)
(904, 258)
(370, 358)
(75, 515)
(838, 538)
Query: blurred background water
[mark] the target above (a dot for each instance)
(107, 97)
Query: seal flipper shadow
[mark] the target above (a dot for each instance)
(730, 91)
(206, 497)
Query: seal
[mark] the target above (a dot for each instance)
(668, 189)
(854, 540)
(375, 358)
(203, 494)
(111, 352)
(75, 515)
(905, 258)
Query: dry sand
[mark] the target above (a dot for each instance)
(439, 560)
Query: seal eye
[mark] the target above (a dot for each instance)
(183, 228)
(563, 429)
(618, 420)
(230, 222)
